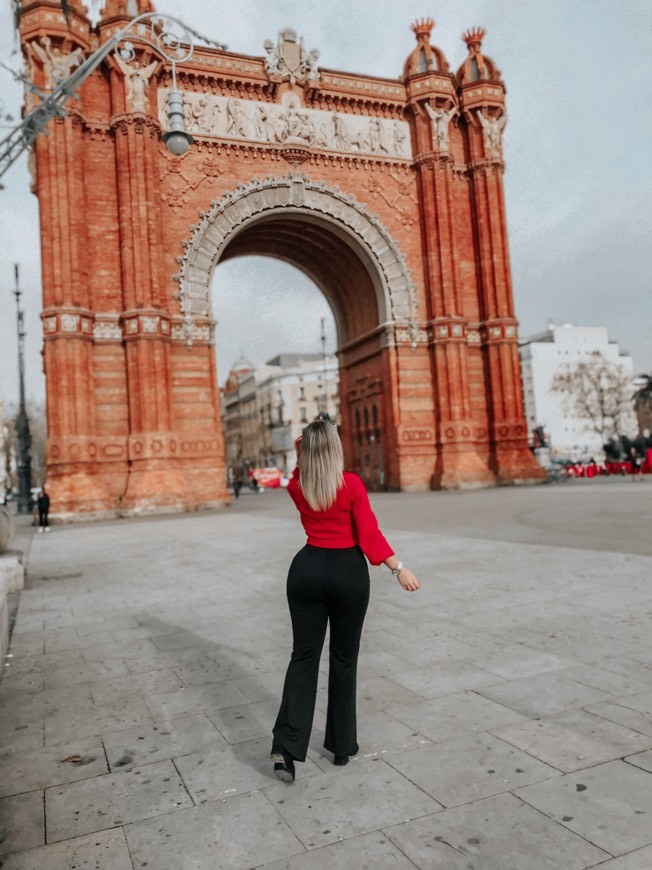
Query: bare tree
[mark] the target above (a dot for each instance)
(599, 391)
(643, 402)
(38, 431)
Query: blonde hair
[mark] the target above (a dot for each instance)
(321, 464)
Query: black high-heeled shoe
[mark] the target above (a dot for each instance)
(340, 760)
(283, 765)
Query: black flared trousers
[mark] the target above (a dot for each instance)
(324, 586)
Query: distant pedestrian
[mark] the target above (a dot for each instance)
(254, 483)
(43, 506)
(237, 486)
(328, 582)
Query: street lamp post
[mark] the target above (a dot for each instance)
(22, 423)
(157, 31)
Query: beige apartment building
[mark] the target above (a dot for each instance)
(264, 409)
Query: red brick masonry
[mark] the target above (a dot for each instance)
(387, 192)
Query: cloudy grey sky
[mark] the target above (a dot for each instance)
(577, 146)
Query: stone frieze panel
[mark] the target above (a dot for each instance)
(289, 123)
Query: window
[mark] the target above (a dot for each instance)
(303, 415)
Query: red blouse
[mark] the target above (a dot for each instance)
(348, 522)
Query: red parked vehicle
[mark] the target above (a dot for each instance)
(267, 478)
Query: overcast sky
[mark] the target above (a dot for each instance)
(577, 148)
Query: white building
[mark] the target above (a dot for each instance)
(542, 357)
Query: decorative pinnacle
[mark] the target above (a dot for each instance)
(422, 28)
(474, 36)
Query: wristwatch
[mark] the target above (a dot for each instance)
(396, 571)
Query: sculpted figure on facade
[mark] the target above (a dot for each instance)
(311, 63)
(260, 121)
(340, 138)
(57, 65)
(201, 116)
(272, 61)
(399, 136)
(360, 141)
(238, 122)
(492, 130)
(377, 141)
(440, 119)
(136, 79)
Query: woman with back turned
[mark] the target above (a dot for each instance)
(328, 582)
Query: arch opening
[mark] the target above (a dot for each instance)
(290, 392)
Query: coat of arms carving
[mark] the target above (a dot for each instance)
(289, 59)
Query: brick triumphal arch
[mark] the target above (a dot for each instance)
(388, 193)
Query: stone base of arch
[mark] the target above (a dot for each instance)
(460, 466)
(166, 488)
(515, 465)
(76, 494)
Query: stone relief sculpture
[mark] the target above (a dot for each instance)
(272, 61)
(290, 123)
(492, 130)
(340, 139)
(440, 119)
(400, 136)
(136, 78)
(313, 73)
(238, 122)
(202, 116)
(56, 64)
(289, 59)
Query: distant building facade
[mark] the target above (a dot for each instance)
(542, 357)
(266, 408)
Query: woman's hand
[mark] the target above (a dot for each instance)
(408, 580)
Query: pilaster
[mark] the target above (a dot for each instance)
(458, 461)
(511, 458)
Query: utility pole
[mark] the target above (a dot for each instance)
(22, 423)
(322, 399)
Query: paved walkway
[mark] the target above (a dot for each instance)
(505, 711)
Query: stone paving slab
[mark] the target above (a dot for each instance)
(573, 740)
(477, 766)
(438, 680)
(21, 822)
(102, 850)
(147, 743)
(497, 833)
(39, 768)
(542, 694)
(232, 834)
(344, 803)
(642, 760)
(113, 799)
(447, 717)
(609, 805)
(221, 772)
(531, 661)
(366, 852)
(641, 859)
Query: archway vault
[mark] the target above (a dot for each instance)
(328, 234)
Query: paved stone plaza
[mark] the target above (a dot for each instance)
(505, 710)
